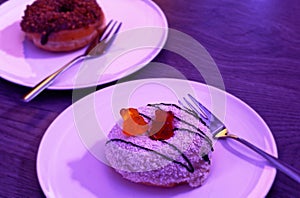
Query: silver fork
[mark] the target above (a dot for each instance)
(96, 48)
(219, 130)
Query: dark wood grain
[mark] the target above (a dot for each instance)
(256, 46)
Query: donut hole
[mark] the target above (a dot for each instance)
(66, 8)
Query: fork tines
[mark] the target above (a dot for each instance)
(204, 111)
(105, 39)
(108, 35)
(198, 108)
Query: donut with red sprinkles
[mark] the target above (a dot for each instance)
(62, 25)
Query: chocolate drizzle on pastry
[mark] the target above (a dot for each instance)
(206, 158)
(192, 129)
(145, 116)
(189, 167)
(197, 130)
(176, 106)
(45, 36)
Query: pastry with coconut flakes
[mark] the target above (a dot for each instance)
(160, 145)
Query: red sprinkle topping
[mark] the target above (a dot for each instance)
(44, 16)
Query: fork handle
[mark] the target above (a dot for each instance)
(46, 82)
(283, 167)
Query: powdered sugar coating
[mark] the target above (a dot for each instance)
(143, 166)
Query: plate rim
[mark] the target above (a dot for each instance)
(271, 170)
(8, 5)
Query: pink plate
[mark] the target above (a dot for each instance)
(70, 160)
(23, 63)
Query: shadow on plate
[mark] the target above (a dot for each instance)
(102, 181)
(14, 43)
(244, 152)
(11, 40)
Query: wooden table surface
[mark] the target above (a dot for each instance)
(256, 46)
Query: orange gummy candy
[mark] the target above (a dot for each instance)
(133, 123)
